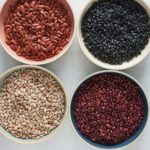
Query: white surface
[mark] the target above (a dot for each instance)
(71, 69)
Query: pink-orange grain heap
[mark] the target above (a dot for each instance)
(37, 29)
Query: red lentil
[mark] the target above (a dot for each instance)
(108, 108)
(37, 29)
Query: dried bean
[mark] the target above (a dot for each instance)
(108, 108)
(116, 31)
(38, 19)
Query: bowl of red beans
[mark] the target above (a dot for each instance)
(36, 32)
(109, 110)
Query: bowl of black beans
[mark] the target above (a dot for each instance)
(115, 34)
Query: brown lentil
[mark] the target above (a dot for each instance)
(108, 108)
(32, 104)
(37, 29)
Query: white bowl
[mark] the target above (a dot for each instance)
(53, 132)
(99, 63)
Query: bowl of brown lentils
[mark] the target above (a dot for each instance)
(33, 104)
(115, 34)
(36, 32)
(109, 110)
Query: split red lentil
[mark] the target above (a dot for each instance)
(108, 108)
(37, 29)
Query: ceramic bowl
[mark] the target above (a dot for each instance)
(133, 138)
(3, 14)
(53, 132)
(101, 64)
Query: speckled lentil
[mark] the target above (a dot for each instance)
(32, 104)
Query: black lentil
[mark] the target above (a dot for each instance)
(115, 31)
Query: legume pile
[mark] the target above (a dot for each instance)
(115, 31)
(37, 29)
(108, 108)
(32, 104)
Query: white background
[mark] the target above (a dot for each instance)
(71, 69)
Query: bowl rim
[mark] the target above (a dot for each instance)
(122, 74)
(46, 61)
(62, 122)
(123, 66)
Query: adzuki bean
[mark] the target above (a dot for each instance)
(37, 29)
(108, 108)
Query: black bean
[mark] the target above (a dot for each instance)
(115, 31)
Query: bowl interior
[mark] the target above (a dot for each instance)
(3, 15)
(122, 144)
(53, 132)
(99, 63)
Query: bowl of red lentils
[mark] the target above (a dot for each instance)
(115, 34)
(109, 110)
(33, 104)
(36, 32)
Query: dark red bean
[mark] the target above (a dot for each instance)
(108, 108)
